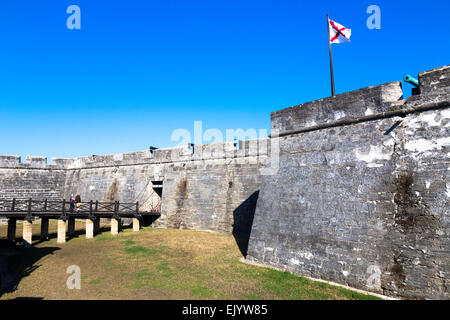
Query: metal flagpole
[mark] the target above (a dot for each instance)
(331, 58)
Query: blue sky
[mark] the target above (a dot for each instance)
(138, 70)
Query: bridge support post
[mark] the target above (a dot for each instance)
(96, 226)
(27, 233)
(44, 228)
(12, 229)
(115, 226)
(61, 231)
(71, 227)
(136, 225)
(89, 229)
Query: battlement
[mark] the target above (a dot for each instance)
(212, 151)
(36, 160)
(349, 105)
(362, 103)
(31, 162)
(435, 82)
(221, 150)
(10, 160)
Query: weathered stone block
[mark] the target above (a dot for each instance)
(61, 231)
(27, 233)
(89, 229)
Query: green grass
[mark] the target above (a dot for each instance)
(104, 237)
(144, 251)
(144, 274)
(164, 270)
(201, 292)
(159, 264)
(96, 281)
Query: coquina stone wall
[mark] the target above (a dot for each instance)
(33, 178)
(202, 190)
(362, 193)
(214, 187)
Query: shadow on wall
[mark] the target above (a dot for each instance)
(243, 222)
(17, 262)
(147, 221)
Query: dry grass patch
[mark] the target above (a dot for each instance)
(151, 264)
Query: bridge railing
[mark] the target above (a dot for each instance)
(64, 206)
(5, 205)
(128, 207)
(104, 206)
(26, 205)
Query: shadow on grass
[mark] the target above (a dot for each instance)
(17, 262)
(78, 233)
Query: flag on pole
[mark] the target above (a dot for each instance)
(338, 33)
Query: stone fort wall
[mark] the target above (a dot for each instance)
(354, 190)
(362, 194)
(202, 190)
(33, 178)
(209, 188)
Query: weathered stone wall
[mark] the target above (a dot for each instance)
(33, 178)
(201, 190)
(362, 196)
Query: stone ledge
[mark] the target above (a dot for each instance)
(350, 105)
(435, 82)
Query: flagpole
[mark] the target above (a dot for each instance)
(331, 58)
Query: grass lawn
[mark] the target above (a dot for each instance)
(150, 264)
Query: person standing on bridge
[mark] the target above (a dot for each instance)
(72, 203)
(78, 202)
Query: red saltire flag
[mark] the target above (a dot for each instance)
(338, 33)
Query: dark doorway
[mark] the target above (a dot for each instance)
(155, 202)
(158, 188)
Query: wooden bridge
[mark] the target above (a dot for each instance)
(29, 210)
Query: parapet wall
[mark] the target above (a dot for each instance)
(350, 105)
(361, 196)
(33, 178)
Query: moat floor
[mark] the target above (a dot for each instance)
(150, 264)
